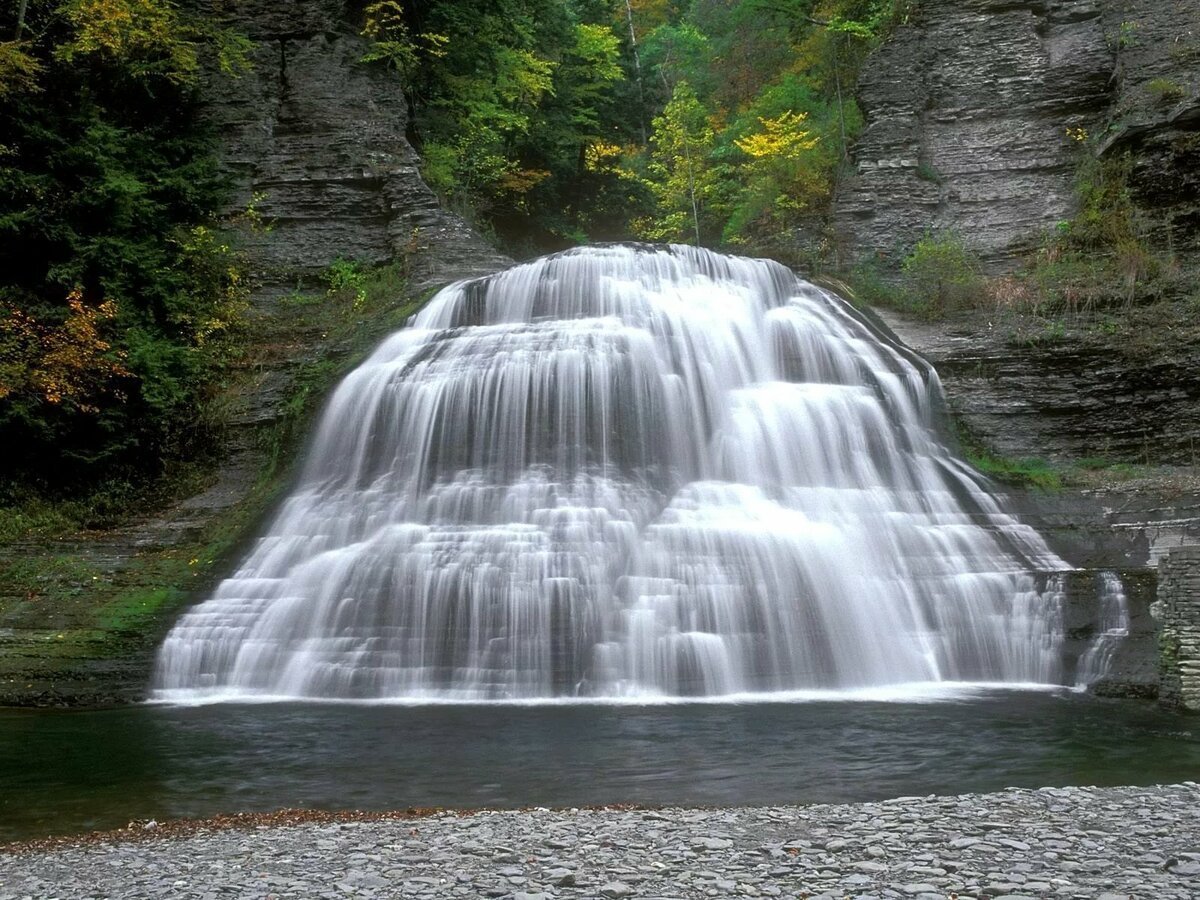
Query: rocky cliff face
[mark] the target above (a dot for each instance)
(968, 108)
(1064, 397)
(315, 140)
(1080, 397)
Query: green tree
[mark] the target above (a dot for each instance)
(683, 177)
(115, 299)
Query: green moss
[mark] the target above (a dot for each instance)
(1169, 647)
(50, 578)
(1099, 464)
(1035, 473)
(1027, 472)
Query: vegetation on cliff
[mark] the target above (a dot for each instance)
(119, 302)
(1102, 266)
(551, 122)
(546, 122)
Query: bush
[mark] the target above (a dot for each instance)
(941, 274)
(346, 278)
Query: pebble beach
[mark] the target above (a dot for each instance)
(1099, 843)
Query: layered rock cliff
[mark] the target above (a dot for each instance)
(968, 108)
(1075, 395)
(315, 140)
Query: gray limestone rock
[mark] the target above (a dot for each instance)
(968, 107)
(316, 140)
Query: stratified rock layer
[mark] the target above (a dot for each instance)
(968, 110)
(315, 142)
(1066, 396)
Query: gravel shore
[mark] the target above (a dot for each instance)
(1055, 842)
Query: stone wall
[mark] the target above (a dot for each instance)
(316, 140)
(1178, 611)
(967, 110)
(1071, 398)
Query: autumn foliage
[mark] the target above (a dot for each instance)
(551, 122)
(117, 301)
(69, 364)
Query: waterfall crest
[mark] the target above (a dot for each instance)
(627, 471)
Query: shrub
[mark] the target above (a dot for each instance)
(926, 172)
(1164, 90)
(1102, 256)
(346, 278)
(942, 274)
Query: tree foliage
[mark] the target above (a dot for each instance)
(67, 365)
(117, 302)
(731, 119)
(683, 177)
(722, 122)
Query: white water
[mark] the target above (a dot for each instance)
(1114, 629)
(628, 473)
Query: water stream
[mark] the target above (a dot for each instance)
(628, 472)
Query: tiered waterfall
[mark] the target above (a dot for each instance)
(628, 472)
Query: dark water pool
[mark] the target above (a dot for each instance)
(66, 772)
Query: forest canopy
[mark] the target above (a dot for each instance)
(545, 122)
(550, 122)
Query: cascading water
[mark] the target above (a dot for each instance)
(627, 472)
(1113, 629)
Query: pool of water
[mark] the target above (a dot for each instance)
(64, 772)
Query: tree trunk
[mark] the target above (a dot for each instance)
(20, 20)
(837, 77)
(687, 155)
(637, 69)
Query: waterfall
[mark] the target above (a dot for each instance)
(1096, 661)
(626, 471)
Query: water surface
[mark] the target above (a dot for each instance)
(63, 772)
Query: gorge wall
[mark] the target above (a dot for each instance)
(315, 140)
(968, 108)
(1077, 395)
(974, 112)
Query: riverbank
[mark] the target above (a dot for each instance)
(1053, 842)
